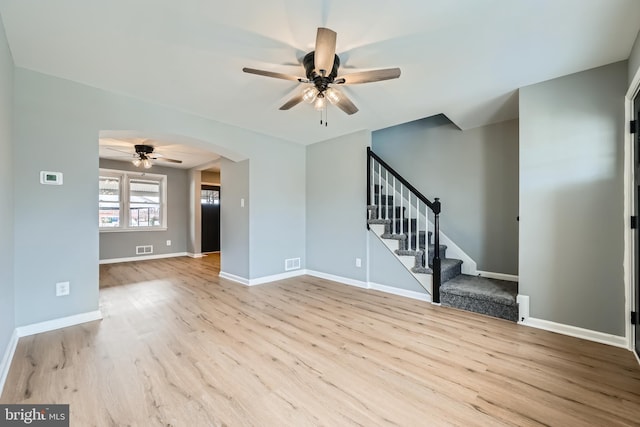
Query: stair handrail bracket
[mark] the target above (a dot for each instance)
(393, 201)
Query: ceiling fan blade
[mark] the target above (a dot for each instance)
(325, 51)
(274, 75)
(165, 159)
(295, 100)
(345, 104)
(369, 76)
(120, 151)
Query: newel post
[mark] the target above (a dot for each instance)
(436, 251)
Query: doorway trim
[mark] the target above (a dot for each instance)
(629, 203)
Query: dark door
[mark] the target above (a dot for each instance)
(210, 202)
(636, 177)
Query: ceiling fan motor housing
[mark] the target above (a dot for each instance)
(321, 82)
(144, 149)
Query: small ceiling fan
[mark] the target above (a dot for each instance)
(321, 67)
(144, 154)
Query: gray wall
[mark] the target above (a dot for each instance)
(58, 122)
(234, 218)
(7, 316)
(123, 244)
(336, 205)
(277, 215)
(475, 174)
(634, 59)
(571, 198)
(386, 269)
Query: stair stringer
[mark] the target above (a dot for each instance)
(425, 280)
(469, 266)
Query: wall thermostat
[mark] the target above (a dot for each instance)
(50, 178)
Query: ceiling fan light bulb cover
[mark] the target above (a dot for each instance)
(309, 94)
(146, 163)
(136, 162)
(320, 103)
(333, 95)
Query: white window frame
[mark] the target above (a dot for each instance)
(125, 177)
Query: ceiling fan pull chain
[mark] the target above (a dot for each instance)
(326, 116)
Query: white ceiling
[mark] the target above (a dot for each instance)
(463, 58)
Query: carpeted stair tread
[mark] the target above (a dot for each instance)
(481, 288)
(379, 221)
(449, 269)
(393, 236)
(407, 252)
(495, 298)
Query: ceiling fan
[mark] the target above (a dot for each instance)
(321, 67)
(144, 154)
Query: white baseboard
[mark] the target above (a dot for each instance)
(523, 307)
(234, 278)
(400, 292)
(63, 322)
(339, 279)
(142, 258)
(574, 331)
(190, 255)
(274, 277)
(261, 280)
(7, 358)
(371, 285)
(497, 276)
(36, 328)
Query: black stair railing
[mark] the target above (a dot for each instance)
(392, 198)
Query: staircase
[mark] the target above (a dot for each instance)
(408, 223)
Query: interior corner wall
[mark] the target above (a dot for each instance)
(571, 198)
(234, 218)
(475, 175)
(194, 226)
(277, 214)
(634, 60)
(336, 205)
(57, 123)
(7, 300)
(116, 244)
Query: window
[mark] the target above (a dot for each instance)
(109, 201)
(131, 201)
(209, 197)
(144, 203)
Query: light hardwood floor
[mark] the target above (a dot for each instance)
(178, 346)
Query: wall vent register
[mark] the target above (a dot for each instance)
(291, 264)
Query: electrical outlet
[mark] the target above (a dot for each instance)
(168, 242)
(62, 289)
(358, 262)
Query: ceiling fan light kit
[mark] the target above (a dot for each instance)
(144, 154)
(321, 70)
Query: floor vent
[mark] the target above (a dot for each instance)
(144, 250)
(291, 264)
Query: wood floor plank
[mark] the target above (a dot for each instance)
(179, 346)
